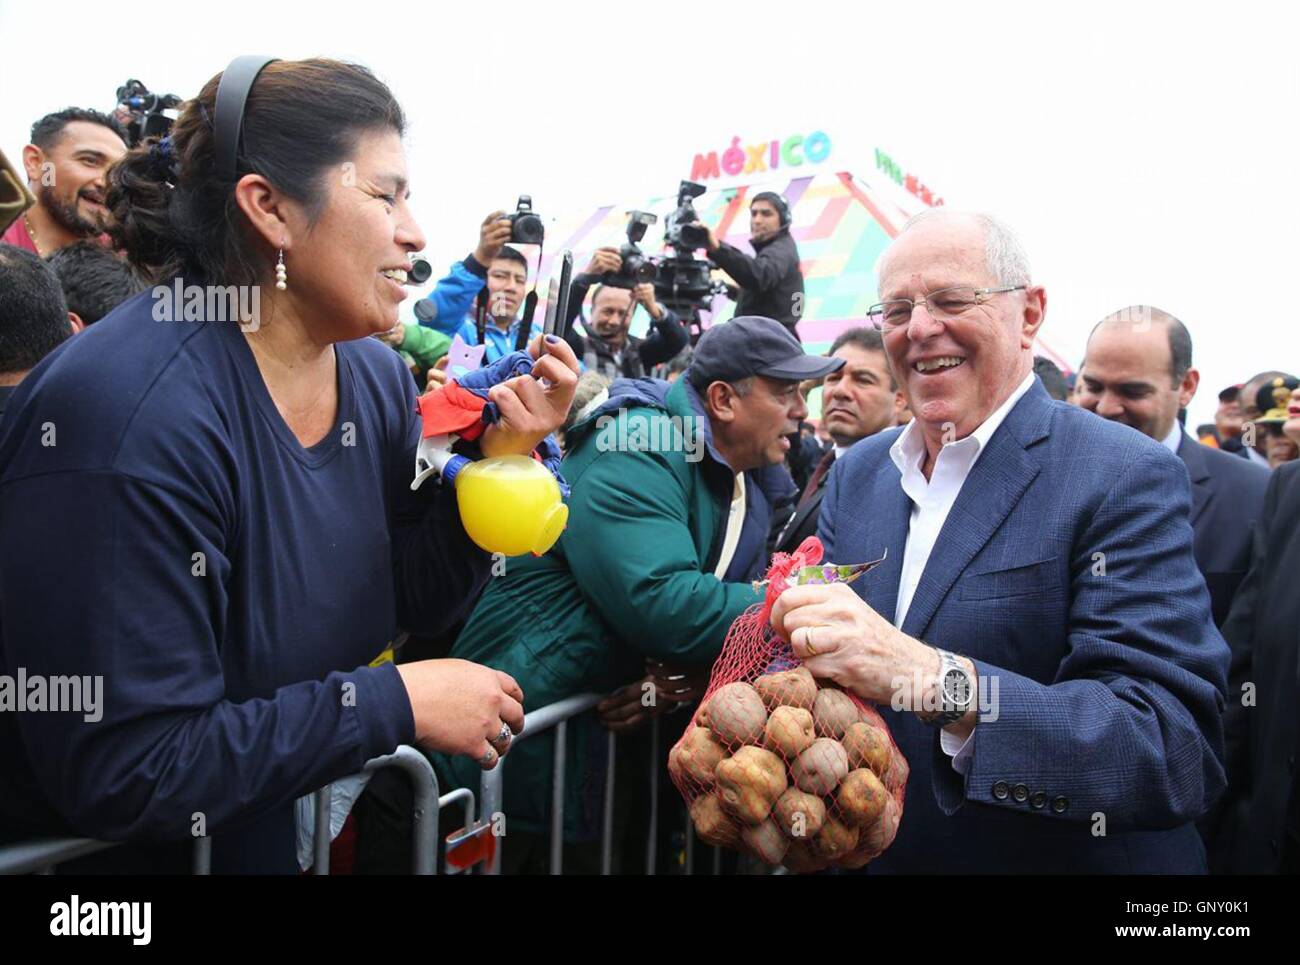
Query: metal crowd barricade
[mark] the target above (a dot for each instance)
(556, 717)
(43, 855)
(424, 831)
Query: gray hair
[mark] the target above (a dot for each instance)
(1006, 257)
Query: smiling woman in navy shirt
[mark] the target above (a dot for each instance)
(216, 519)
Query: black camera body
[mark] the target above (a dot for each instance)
(146, 110)
(685, 283)
(682, 228)
(525, 226)
(636, 269)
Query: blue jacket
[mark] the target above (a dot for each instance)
(1065, 572)
(454, 298)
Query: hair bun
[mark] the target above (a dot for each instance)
(162, 160)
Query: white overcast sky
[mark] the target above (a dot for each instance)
(1146, 152)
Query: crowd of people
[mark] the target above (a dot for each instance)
(214, 517)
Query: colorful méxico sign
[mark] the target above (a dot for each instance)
(792, 152)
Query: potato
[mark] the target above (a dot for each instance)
(834, 840)
(877, 837)
(799, 814)
(788, 688)
(749, 782)
(897, 774)
(854, 859)
(789, 732)
(736, 715)
(868, 746)
(766, 841)
(833, 712)
(712, 823)
(862, 797)
(820, 768)
(800, 859)
(696, 755)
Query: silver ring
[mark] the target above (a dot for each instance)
(505, 737)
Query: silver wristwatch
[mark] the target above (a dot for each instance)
(955, 690)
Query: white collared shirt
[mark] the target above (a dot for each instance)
(1174, 439)
(932, 500)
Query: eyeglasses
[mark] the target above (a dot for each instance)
(944, 305)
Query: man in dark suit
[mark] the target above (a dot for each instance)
(1138, 371)
(1077, 727)
(859, 400)
(1260, 829)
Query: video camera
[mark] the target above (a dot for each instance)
(145, 110)
(683, 282)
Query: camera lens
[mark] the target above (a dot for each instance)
(527, 229)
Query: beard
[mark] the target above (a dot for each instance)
(67, 216)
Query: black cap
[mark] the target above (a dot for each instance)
(753, 345)
(1272, 398)
(1230, 394)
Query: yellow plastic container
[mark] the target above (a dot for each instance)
(511, 505)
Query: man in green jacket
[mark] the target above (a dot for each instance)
(672, 489)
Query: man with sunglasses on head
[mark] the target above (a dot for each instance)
(1039, 631)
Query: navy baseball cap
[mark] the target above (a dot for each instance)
(753, 345)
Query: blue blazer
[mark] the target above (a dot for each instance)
(1065, 572)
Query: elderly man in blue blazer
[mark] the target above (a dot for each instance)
(1039, 635)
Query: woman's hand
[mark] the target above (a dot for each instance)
(462, 707)
(533, 406)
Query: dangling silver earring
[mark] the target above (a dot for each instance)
(281, 276)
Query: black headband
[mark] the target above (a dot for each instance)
(232, 93)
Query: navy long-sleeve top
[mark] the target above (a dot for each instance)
(162, 528)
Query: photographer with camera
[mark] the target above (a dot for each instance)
(66, 163)
(501, 270)
(771, 283)
(608, 348)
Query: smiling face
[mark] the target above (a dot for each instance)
(954, 374)
(859, 400)
(346, 270)
(611, 311)
(1127, 377)
(764, 221)
(69, 177)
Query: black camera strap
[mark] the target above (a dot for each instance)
(480, 319)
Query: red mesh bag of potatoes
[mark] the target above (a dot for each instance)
(775, 763)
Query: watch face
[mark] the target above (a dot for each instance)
(956, 689)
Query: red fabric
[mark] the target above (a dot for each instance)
(16, 235)
(451, 410)
(808, 553)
